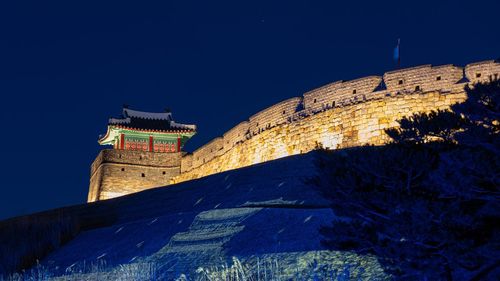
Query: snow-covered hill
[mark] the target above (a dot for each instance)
(265, 214)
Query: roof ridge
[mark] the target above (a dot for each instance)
(127, 112)
(173, 130)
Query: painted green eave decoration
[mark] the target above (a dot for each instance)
(114, 133)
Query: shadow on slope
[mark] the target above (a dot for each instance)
(424, 210)
(139, 225)
(427, 206)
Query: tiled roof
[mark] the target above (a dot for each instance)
(149, 121)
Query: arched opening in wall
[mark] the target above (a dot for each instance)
(400, 82)
(123, 169)
(478, 75)
(314, 101)
(164, 173)
(284, 112)
(333, 103)
(143, 175)
(353, 92)
(417, 88)
(438, 78)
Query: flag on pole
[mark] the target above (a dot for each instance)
(397, 56)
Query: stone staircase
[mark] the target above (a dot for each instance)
(203, 243)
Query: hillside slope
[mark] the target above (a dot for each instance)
(270, 212)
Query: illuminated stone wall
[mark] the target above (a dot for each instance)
(120, 172)
(337, 115)
(341, 127)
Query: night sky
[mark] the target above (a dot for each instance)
(65, 68)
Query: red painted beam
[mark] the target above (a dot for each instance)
(122, 141)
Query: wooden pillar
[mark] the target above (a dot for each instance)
(122, 141)
(150, 143)
(178, 143)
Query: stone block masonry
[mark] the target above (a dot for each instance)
(355, 125)
(338, 115)
(120, 172)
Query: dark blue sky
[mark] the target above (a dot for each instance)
(66, 67)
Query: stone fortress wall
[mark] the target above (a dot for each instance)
(118, 172)
(338, 115)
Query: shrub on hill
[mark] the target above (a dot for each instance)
(474, 122)
(426, 205)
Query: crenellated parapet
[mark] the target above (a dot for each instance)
(482, 71)
(147, 147)
(423, 79)
(207, 152)
(359, 111)
(235, 135)
(273, 116)
(340, 92)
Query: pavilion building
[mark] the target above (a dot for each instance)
(146, 131)
(146, 153)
